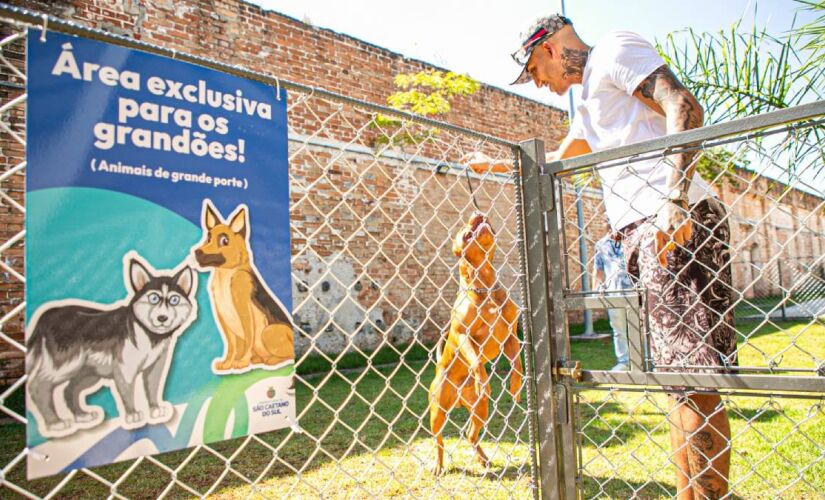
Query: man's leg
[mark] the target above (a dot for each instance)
(707, 432)
(618, 323)
(691, 323)
(679, 455)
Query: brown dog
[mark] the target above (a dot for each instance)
(484, 323)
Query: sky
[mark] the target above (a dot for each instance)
(476, 37)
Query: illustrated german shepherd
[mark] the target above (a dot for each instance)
(86, 345)
(483, 325)
(255, 326)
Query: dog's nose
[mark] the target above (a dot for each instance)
(163, 319)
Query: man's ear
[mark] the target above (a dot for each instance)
(550, 48)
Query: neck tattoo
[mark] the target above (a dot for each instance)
(573, 61)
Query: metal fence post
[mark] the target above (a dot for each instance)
(554, 400)
(537, 279)
(782, 289)
(566, 416)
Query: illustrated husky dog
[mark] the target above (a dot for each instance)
(89, 345)
(255, 326)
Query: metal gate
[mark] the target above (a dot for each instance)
(605, 433)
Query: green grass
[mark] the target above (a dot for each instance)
(383, 410)
(761, 306)
(352, 360)
(626, 443)
(373, 429)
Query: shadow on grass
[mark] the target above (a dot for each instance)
(492, 473)
(344, 421)
(612, 487)
(609, 424)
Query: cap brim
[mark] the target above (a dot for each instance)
(523, 77)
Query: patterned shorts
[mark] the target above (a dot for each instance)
(689, 301)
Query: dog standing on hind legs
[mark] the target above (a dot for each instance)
(483, 324)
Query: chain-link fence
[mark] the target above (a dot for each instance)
(790, 288)
(735, 310)
(383, 221)
(412, 279)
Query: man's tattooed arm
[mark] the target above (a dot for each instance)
(665, 94)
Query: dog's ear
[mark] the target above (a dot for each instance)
(238, 222)
(210, 216)
(184, 280)
(138, 275)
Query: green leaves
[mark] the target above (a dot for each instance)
(425, 93)
(741, 72)
(812, 35)
(737, 72)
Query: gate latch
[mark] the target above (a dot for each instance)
(572, 369)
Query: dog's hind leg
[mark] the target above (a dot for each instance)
(74, 398)
(478, 405)
(472, 357)
(41, 392)
(443, 396)
(278, 343)
(513, 352)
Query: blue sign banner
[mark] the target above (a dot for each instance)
(158, 285)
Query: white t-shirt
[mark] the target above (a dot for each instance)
(610, 116)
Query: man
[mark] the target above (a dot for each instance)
(610, 271)
(675, 232)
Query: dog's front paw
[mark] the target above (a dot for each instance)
(161, 413)
(240, 364)
(88, 417)
(438, 469)
(60, 427)
(134, 418)
(223, 365)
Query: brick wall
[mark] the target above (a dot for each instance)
(390, 302)
(402, 285)
(237, 32)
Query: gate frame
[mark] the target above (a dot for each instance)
(557, 377)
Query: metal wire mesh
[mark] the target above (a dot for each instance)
(770, 186)
(625, 447)
(374, 211)
(766, 237)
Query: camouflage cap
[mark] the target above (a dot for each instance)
(542, 28)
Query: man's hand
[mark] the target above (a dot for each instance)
(480, 163)
(673, 227)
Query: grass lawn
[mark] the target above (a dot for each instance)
(366, 434)
(778, 443)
